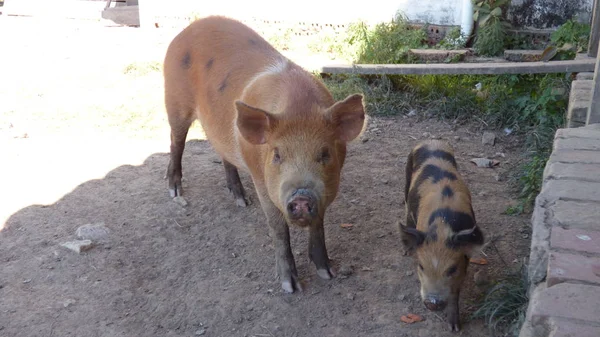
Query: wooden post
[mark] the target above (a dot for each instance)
(593, 116)
(595, 32)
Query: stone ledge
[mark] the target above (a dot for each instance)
(588, 75)
(575, 215)
(571, 190)
(575, 302)
(565, 267)
(574, 156)
(590, 131)
(525, 55)
(585, 144)
(540, 243)
(581, 172)
(579, 240)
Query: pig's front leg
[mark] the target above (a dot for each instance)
(318, 252)
(452, 313)
(279, 231)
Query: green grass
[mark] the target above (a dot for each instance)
(505, 305)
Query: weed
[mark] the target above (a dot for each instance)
(572, 33)
(387, 42)
(491, 35)
(505, 304)
(454, 39)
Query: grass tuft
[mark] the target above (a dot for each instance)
(505, 304)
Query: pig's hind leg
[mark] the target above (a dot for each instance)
(180, 122)
(234, 184)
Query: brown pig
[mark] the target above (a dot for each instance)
(266, 115)
(440, 225)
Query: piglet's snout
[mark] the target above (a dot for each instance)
(434, 304)
(302, 205)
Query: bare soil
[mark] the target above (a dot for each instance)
(207, 268)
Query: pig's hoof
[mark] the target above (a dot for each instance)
(175, 192)
(241, 202)
(290, 286)
(326, 274)
(454, 326)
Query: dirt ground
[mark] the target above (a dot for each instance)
(86, 141)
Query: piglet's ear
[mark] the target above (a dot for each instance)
(348, 117)
(411, 237)
(467, 239)
(254, 124)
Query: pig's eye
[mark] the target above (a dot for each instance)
(420, 266)
(276, 156)
(324, 156)
(451, 271)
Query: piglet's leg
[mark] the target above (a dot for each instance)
(452, 313)
(318, 252)
(284, 259)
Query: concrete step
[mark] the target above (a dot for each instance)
(579, 103)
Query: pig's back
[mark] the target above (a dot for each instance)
(206, 69)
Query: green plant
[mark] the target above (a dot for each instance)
(505, 304)
(572, 33)
(491, 34)
(387, 42)
(454, 39)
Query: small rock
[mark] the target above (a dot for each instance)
(350, 296)
(426, 134)
(180, 200)
(525, 236)
(498, 177)
(69, 302)
(346, 270)
(409, 273)
(27, 281)
(484, 162)
(482, 194)
(365, 139)
(217, 161)
(489, 138)
(411, 113)
(435, 137)
(500, 154)
(78, 246)
(200, 332)
(402, 297)
(95, 232)
(457, 138)
(385, 181)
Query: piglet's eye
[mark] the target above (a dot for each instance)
(451, 271)
(324, 156)
(276, 156)
(420, 266)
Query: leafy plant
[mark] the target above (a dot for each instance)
(387, 42)
(491, 34)
(572, 33)
(454, 39)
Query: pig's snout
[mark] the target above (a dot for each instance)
(302, 205)
(434, 304)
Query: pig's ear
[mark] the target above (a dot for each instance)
(254, 124)
(467, 239)
(348, 117)
(411, 237)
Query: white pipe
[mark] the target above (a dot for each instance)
(466, 22)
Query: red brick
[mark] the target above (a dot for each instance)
(563, 267)
(576, 239)
(569, 329)
(572, 214)
(567, 301)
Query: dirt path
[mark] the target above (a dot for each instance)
(208, 268)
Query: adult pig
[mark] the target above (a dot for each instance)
(266, 115)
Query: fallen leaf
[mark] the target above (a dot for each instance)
(411, 318)
(346, 225)
(480, 260)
